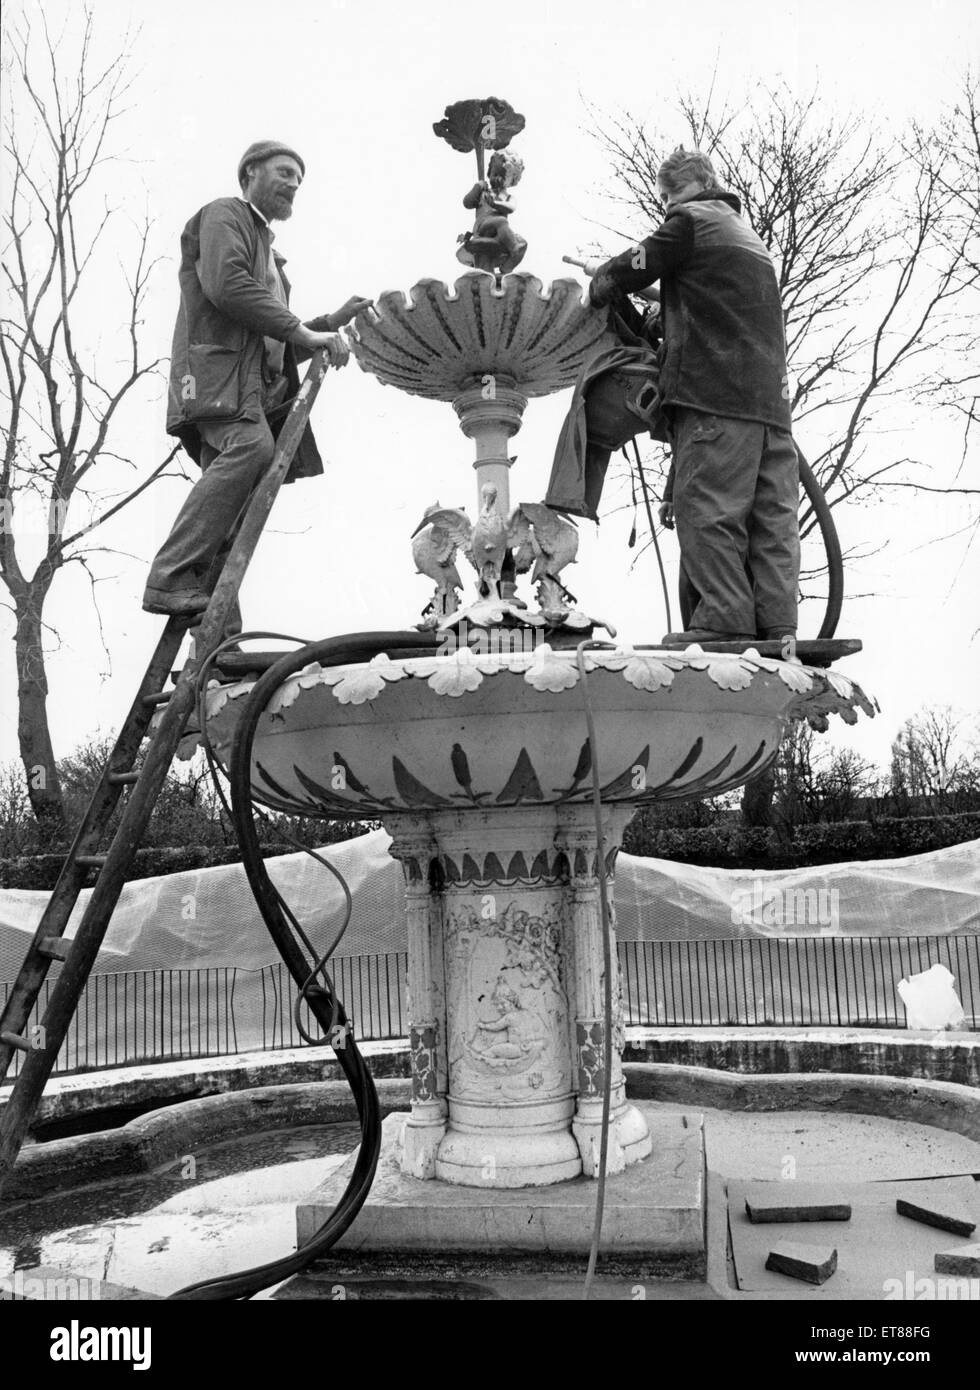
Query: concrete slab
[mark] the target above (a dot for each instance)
(880, 1253)
(654, 1209)
(813, 1146)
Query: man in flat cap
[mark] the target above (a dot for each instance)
(234, 370)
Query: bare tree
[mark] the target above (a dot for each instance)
(875, 244)
(61, 398)
(815, 782)
(934, 767)
(953, 150)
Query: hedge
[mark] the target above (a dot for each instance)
(834, 842)
(713, 846)
(41, 871)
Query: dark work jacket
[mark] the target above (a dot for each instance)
(724, 349)
(226, 312)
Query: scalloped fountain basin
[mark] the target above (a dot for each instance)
(437, 340)
(509, 729)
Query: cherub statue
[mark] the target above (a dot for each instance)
(493, 244)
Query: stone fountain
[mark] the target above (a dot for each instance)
(478, 761)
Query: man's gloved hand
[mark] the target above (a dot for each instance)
(666, 514)
(602, 289)
(349, 310)
(332, 343)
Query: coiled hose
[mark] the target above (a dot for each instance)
(328, 1011)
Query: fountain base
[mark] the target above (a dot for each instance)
(654, 1209)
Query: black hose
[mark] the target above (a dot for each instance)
(831, 545)
(333, 651)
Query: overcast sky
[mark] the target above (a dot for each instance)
(355, 88)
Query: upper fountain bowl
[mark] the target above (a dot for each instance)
(439, 342)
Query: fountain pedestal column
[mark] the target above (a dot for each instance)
(414, 847)
(490, 414)
(629, 1137)
(505, 981)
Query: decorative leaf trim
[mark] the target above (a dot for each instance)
(819, 692)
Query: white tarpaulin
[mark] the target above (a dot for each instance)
(207, 917)
(188, 968)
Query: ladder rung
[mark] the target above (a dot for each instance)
(15, 1040)
(54, 947)
(123, 779)
(90, 861)
(160, 698)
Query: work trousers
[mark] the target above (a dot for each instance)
(234, 456)
(736, 505)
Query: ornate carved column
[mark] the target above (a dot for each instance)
(506, 997)
(413, 845)
(629, 1138)
(511, 1085)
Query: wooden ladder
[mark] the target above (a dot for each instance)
(42, 1043)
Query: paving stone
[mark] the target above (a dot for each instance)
(942, 1215)
(814, 1264)
(790, 1208)
(963, 1260)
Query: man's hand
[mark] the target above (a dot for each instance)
(602, 289)
(350, 310)
(332, 344)
(666, 514)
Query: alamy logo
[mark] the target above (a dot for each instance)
(950, 1287)
(764, 905)
(78, 1343)
(48, 1288)
(490, 640)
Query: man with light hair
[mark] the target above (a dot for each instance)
(233, 370)
(733, 490)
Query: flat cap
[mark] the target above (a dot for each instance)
(265, 149)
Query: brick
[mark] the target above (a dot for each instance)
(963, 1260)
(814, 1264)
(787, 1209)
(942, 1215)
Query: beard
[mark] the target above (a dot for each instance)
(275, 207)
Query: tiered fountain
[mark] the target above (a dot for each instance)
(477, 758)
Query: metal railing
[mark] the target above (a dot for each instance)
(831, 981)
(161, 1015)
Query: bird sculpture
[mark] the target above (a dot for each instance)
(434, 552)
(483, 542)
(538, 538)
(548, 542)
(543, 538)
